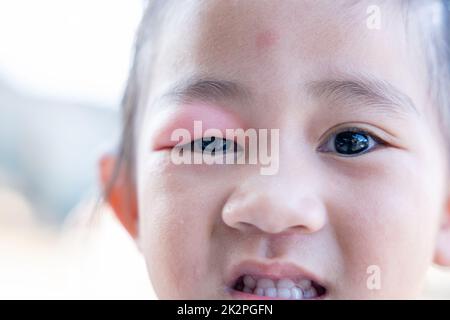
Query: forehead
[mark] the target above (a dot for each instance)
(278, 45)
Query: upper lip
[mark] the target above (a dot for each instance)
(273, 270)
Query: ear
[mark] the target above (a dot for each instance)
(120, 193)
(442, 253)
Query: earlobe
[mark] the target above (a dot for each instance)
(119, 193)
(442, 256)
(442, 253)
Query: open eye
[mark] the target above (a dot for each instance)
(351, 142)
(214, 146)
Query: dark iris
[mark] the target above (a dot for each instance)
(351, 142)
(207, 141)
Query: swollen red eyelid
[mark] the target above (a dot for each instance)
(192, 119)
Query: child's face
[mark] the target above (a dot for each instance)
(311, 70)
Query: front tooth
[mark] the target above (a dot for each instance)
(310, 293)
(270, 292)
(259, 292)
(296, 293)
(304, 284)
(284, 293)
(285, 283)
(265, 283)
(249, 282)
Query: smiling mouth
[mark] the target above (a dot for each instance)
(255, 286)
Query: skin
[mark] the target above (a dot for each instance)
(332, 215)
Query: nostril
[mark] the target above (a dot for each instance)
(246, 226)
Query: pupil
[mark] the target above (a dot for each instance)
(351, 142)
(207, 142)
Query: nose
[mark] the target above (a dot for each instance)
(273, 207)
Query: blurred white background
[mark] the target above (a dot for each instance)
(63, 67)
(77, 50)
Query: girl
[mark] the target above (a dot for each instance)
(359, 205)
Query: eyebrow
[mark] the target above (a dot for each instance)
(207, 89)
(365, 91)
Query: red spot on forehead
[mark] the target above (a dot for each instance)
(266, 39)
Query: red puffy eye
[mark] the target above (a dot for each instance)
(189, 123)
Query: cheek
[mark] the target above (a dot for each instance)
(178, 211)
(387, 216)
